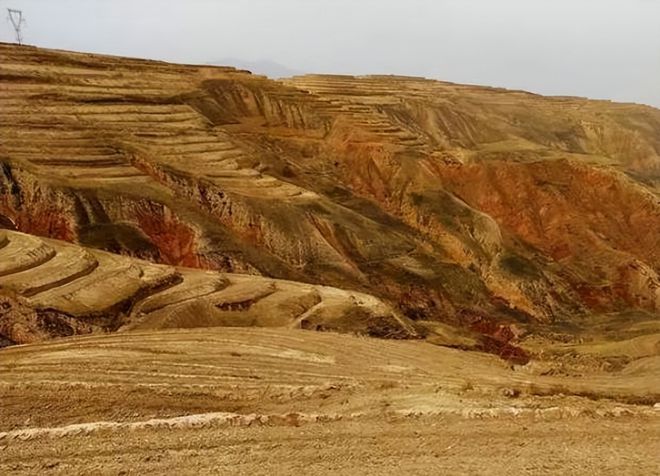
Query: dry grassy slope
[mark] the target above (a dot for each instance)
(455, 203)
(54, 289)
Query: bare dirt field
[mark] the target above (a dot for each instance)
(428, 445)
(284, 401)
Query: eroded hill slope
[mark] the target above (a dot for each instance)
(453, 203)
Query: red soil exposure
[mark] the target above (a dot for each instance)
(51, 223)
(597, 298)
(496, 338)
(176, 242)
(593, 220)
(562, 207)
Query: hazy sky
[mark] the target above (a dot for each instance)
(595, 48)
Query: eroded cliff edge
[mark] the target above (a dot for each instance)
(472, 206)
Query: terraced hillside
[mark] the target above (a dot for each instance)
(471, 206)
(55, 289)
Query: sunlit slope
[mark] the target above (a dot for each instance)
(453, 203)
(52, 289)
(139, 375)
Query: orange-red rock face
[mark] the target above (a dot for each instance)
(598, 224)
(440, 198)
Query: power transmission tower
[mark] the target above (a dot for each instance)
(17, 21)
